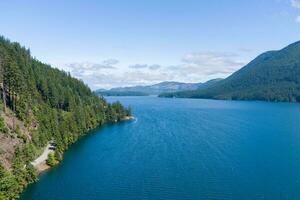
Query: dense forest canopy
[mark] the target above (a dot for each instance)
(44, 104)
(272, 76)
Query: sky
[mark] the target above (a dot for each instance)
(113, 43)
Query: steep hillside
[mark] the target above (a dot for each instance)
(39, 104)
(272, 76)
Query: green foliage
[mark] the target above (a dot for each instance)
(2, 196)
(53, 106)
(272, 76)
(3, 128)
(51, 161)
(9, 187)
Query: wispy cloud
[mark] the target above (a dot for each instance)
(144, 66)
(209, 63)
(295, 3)
(110, 62)
(87, 71)
(194, 67)
(106, 64)
(127, 78)
(211, 59)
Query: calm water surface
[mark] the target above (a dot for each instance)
(183, 149)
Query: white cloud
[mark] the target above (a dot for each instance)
(110, 62)
(297, 19)
(194, 67)
(85, 68)
(127, 78)
(210, 59)
(209, 63)
(154, 67)
(295, 3)
(106, 64)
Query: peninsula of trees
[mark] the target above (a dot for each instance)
(40, 104)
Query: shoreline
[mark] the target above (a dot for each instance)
(42, 168)
(40, 162)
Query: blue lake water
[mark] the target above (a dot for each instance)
(183, 149)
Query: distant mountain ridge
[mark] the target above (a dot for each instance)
(272, 76)
(163, 87)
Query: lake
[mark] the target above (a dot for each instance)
(183, 149)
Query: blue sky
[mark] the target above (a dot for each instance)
(119, 43)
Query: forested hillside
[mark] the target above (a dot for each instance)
(40, 104)
(272, 76)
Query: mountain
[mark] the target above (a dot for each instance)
(207, 84)
(155, 89)
(272, 76)
(39, 104)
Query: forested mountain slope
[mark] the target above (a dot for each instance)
(272, 76)
(38, 104)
